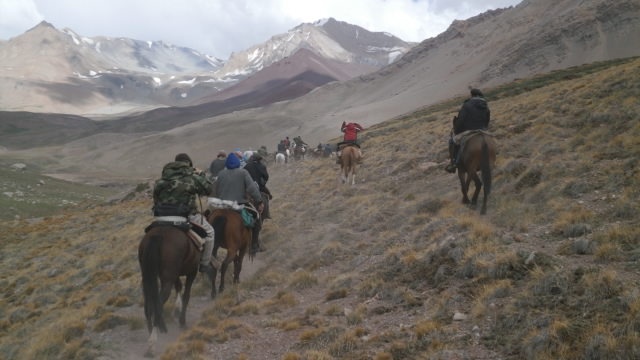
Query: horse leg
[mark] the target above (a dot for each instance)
(151, 343)
(186, 295)
(178, 305)
(223, 270)
(478, 184)
(464, 185)
(237, 266)
(214, 273)
(165, 293)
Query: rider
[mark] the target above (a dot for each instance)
(175, 195)
(217, 164)
(473, 115)
(263, 151)
(235, 184)
(350, 131)
(298, 141)
(260, 175)
(282, 149)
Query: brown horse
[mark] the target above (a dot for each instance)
(348, 161)
(299, 151)
(166, 253)
(230, 234)
(478, 153)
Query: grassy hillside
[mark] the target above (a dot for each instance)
(393, 267)
(26, 193)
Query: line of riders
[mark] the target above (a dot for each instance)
(175, 193)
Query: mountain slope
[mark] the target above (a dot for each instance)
(393, 267)
(58, 71)
(329, 38)
(290, 68)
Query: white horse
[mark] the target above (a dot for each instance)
(280, 158)
(247, 155)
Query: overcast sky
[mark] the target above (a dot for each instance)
(219, 27)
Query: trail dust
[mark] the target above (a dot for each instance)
(124, 343)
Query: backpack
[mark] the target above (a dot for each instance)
(170, 199)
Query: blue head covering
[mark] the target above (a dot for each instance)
(232, 161)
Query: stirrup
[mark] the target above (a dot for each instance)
(205, 268)
(451, 168)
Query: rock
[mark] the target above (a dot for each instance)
(18, 166)
(458, 316)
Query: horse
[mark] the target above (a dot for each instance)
(280, 158)
(166, 253)
(348, 161)
(478, 153)
(247, 154)
(299, 151)
(230, 234)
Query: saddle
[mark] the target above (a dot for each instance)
(342, 146)
(248, 213)
(194, 231)
(461, 138)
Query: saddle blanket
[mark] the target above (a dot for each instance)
(183, 224)
(224, 204)
(463, 136)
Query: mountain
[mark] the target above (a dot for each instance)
(492, 48)
(51, 70)
(304, 69)
(328, 38)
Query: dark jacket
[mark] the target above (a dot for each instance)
(474, 115)
(258, 173)
(216, 166)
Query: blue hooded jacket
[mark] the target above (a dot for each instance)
(232, 161)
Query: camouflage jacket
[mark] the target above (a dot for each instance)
(180, 185)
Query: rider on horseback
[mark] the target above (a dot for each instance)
(217, 165)
(260, 175)
(175, 195)
(235, 184)
(298, 142)
(350, 131)
(473, 115)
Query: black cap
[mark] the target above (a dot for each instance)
(476, 92)
(184, 158)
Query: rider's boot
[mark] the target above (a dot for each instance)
(453, 150)
(205, 258)
(255, 239)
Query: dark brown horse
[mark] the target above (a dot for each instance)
(166, 253)
(348, 161)
(478, 153)
(230, 234)
(299, 151)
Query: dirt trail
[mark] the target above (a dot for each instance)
(123, 343)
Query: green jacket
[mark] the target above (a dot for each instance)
(179, 186)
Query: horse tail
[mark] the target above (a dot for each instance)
(150, 274)
(485, 167)
(218, 229)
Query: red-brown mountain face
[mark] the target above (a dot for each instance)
(294, 76)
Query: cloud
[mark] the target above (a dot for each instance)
(219, 27)
(17, 16)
